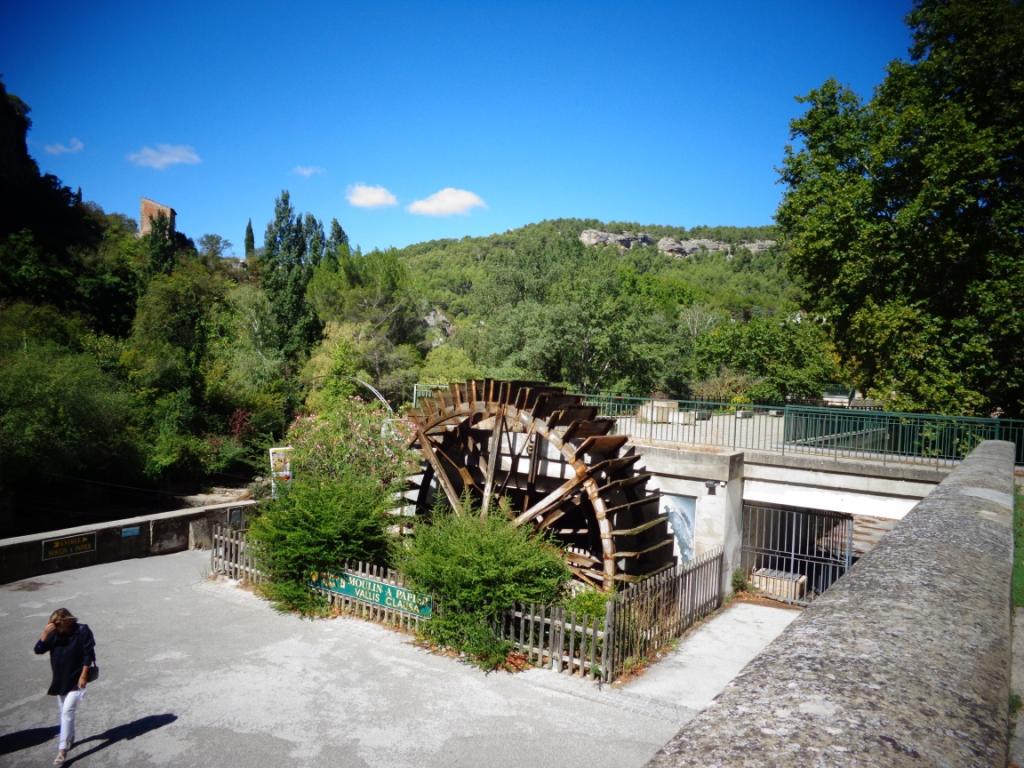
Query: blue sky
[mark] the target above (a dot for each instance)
(414, 121)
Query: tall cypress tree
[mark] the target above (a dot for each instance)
(250, 241)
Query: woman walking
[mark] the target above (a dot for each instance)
(72, 651)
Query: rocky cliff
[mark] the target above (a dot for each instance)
(679, 248)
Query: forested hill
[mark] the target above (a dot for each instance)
(151, 362)
(536, 302)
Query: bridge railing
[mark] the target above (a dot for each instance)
(833, 432)
(890, 437)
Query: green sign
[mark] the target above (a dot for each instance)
(69, 545)
(373, 591)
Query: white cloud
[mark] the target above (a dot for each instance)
(164, 155)
(447, 202)
(73, 146)
(307, 170)
(367, 196)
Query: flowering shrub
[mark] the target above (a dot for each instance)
(352, 436)
(348, 461)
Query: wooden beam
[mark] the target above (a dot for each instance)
(551, 500)
(493, 459)
(427, 449)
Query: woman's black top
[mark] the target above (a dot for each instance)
(68, 654)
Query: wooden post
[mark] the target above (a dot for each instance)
(572, 643)
(493, 459)
(607, 642)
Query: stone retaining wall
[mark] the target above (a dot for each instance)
(905, 661)
(39, 553)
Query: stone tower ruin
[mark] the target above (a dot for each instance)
(150, 210)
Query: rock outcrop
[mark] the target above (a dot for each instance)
(678, 248)
(624, 241)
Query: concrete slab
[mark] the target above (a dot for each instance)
(200, 673)
(711, 655)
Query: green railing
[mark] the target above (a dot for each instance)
(905, 438)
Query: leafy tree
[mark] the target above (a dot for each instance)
(213, 247)
(338, 240)
(170, 331)
(349, 461)
(768, 360)
(244, 374)
(164, 246)
(903, 215)
(292, 248)
(368, 299)
(351, 435)
(447, 363)
(60, 412)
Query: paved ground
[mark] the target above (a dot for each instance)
(711, 656)
(199, 673)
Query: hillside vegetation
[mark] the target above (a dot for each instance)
(899, 262)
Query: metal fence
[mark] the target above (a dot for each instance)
(883, 436)
(794, 555)
(831, 432)
(638, 621)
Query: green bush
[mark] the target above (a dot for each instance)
(351, 436)
(476, 568)
(589, 602)
(739, 581)
(316, 525)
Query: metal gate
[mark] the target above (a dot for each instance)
(794, 554)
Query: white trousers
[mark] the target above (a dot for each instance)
(67, 706)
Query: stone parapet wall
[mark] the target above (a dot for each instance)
(158, 534)
(905, 661)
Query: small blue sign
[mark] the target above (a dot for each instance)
(127, 533)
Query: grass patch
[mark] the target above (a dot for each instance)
(1018, 547)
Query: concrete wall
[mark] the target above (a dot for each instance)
(905, 661)
(849, 486)
(40, 553)
(718, 517)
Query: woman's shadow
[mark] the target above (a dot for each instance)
(121, 733)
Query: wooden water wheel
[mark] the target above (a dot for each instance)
(556, 463)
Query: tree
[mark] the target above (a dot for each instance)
(164, 246)
(250, 241)
(60, 412)
(447, 363)
(475, 568)
(904, 216)
(319, 524)
(765, 360)
(213, 247)
(337, 240)
(292, 248)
